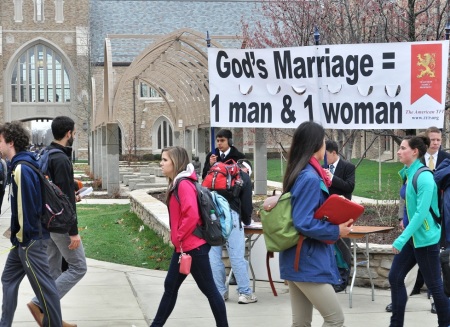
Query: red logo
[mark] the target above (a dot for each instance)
(426, 71)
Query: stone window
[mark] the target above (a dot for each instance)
(146, 91)
(59, 11)
(163, 134)
(18, 12)
(39, 10)
(40, 75)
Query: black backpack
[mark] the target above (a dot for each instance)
(58, 214)
(211, 230)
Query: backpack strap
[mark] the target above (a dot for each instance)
(175, 190)
(414, 182)
(40, 176)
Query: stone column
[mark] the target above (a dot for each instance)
(98, 153)
(188, 142)
(201, 148)
(112, 158)
(260, 162)
(104, 170)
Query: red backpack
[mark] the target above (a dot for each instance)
(224, 176)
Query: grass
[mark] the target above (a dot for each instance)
(366, 185)
(113, 233)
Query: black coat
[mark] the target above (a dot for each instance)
(343, 182)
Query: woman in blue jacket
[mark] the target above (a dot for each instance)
(419, 241)
(310, 283)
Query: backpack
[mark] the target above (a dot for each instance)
(44, 157)
(58, 214)
(215, 213)
(225, 178)
(414, 183)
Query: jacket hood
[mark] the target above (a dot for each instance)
(25, 156)
(188, 173)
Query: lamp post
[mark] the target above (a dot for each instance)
(213, 138)
(134, 116)
(447, 29)
(316, 35)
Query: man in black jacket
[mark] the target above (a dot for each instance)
(69, 245)
(224, 151)
(342, 175)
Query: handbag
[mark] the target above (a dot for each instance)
(185, 262)
(276, 218)
(338, 209)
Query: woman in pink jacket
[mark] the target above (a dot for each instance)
(184, 218)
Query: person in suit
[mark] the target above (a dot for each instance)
(342, 176)
(225, 150)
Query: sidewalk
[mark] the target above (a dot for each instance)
(113, 295)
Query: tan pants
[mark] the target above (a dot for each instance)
(322, 296)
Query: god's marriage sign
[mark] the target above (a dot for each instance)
(353, 86)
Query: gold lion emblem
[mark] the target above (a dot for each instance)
(428, 62)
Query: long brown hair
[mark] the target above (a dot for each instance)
(308, 139)
(180, 160)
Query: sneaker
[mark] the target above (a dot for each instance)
(225, 296)
(247, 298)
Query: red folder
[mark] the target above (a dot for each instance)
(338, 209)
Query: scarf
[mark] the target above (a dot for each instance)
(316, 165)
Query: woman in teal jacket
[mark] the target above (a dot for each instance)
(419, 241)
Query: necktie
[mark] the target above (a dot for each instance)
(222, 156)
(331, 169)
(431, 163)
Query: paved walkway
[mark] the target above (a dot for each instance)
(116, 295)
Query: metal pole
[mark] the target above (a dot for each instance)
(316, 35)
(447, 29)
(134, 116)
(213, 138)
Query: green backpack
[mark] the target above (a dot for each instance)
(276, 217)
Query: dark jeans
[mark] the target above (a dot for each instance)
(201, 271)
(428, 260)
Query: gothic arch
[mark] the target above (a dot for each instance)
(30, 110)
(176, 62)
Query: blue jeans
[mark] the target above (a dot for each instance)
(201, 271)
(58, 247)
(236, 251)
(428, 260)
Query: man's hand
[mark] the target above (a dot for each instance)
(75, 241)
(212, 159)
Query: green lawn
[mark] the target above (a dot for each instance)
(367, 173)
(113, 233)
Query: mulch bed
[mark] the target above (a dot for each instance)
(374, 215)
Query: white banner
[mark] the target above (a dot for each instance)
(353, 86)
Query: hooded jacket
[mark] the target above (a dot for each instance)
(422, 228)
(317, 260)
(26, 201)
(60, 170)
(184, 214)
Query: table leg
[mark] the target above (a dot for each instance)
(350, 294)
(368, 267)
(250, 246)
